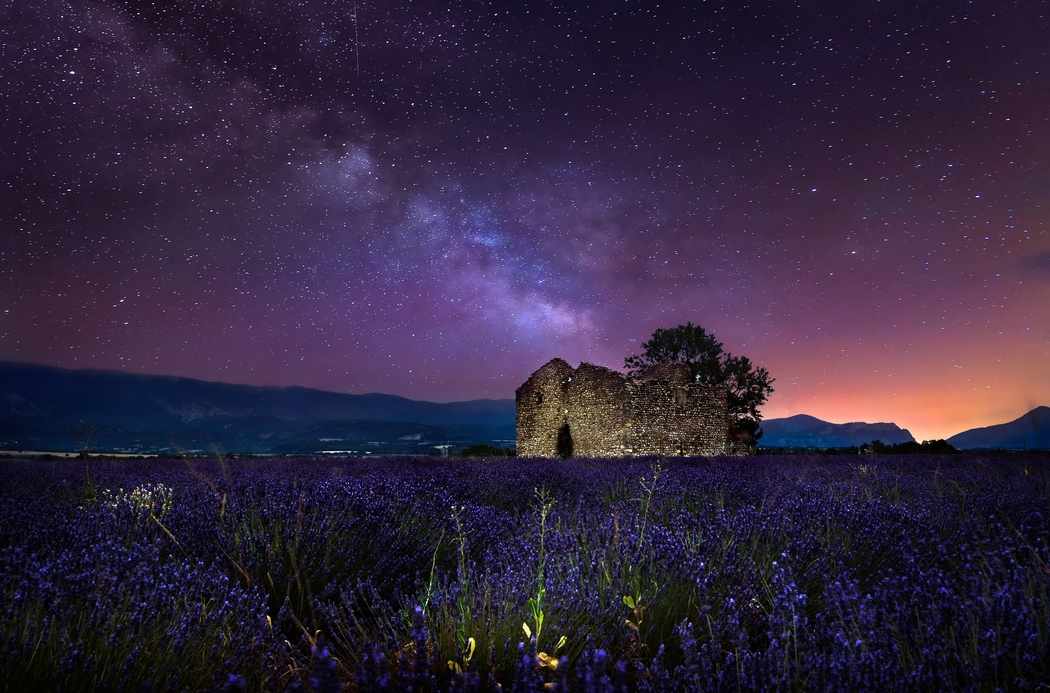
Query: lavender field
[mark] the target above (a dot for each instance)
(853, 573)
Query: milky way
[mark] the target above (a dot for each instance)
(433, 199)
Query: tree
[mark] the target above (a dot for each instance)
(483, 450)
(83, 438)
(747, 386)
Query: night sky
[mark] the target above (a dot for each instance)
(433, 199)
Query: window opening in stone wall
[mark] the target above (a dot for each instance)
(680, 398)
(564, 441)
(539, 398)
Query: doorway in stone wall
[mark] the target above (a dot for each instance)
(564, 441)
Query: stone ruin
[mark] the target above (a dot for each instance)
(593, 411)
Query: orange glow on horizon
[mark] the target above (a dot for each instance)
(944, 387)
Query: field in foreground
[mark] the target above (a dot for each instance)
(768, 573)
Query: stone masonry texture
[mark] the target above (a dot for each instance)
(660, 412)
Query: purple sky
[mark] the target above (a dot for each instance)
(437, 198)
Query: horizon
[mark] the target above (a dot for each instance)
(900, 425)
(432, 201)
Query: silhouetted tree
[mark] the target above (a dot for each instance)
(747, 386)
(483, 450)
(84, 437)
(938, 447)
(910, 447)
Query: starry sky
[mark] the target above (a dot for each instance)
(433, 199)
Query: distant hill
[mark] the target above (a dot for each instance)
(1031, 431)
(39, 405)
(803, 431)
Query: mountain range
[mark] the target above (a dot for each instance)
(804, 431)
(1030, 431)
(41, 406)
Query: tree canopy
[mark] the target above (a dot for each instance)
(747, 386)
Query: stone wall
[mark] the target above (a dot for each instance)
(608, 414)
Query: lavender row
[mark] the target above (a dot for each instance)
(768, 573)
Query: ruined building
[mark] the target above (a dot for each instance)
(593, 411)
